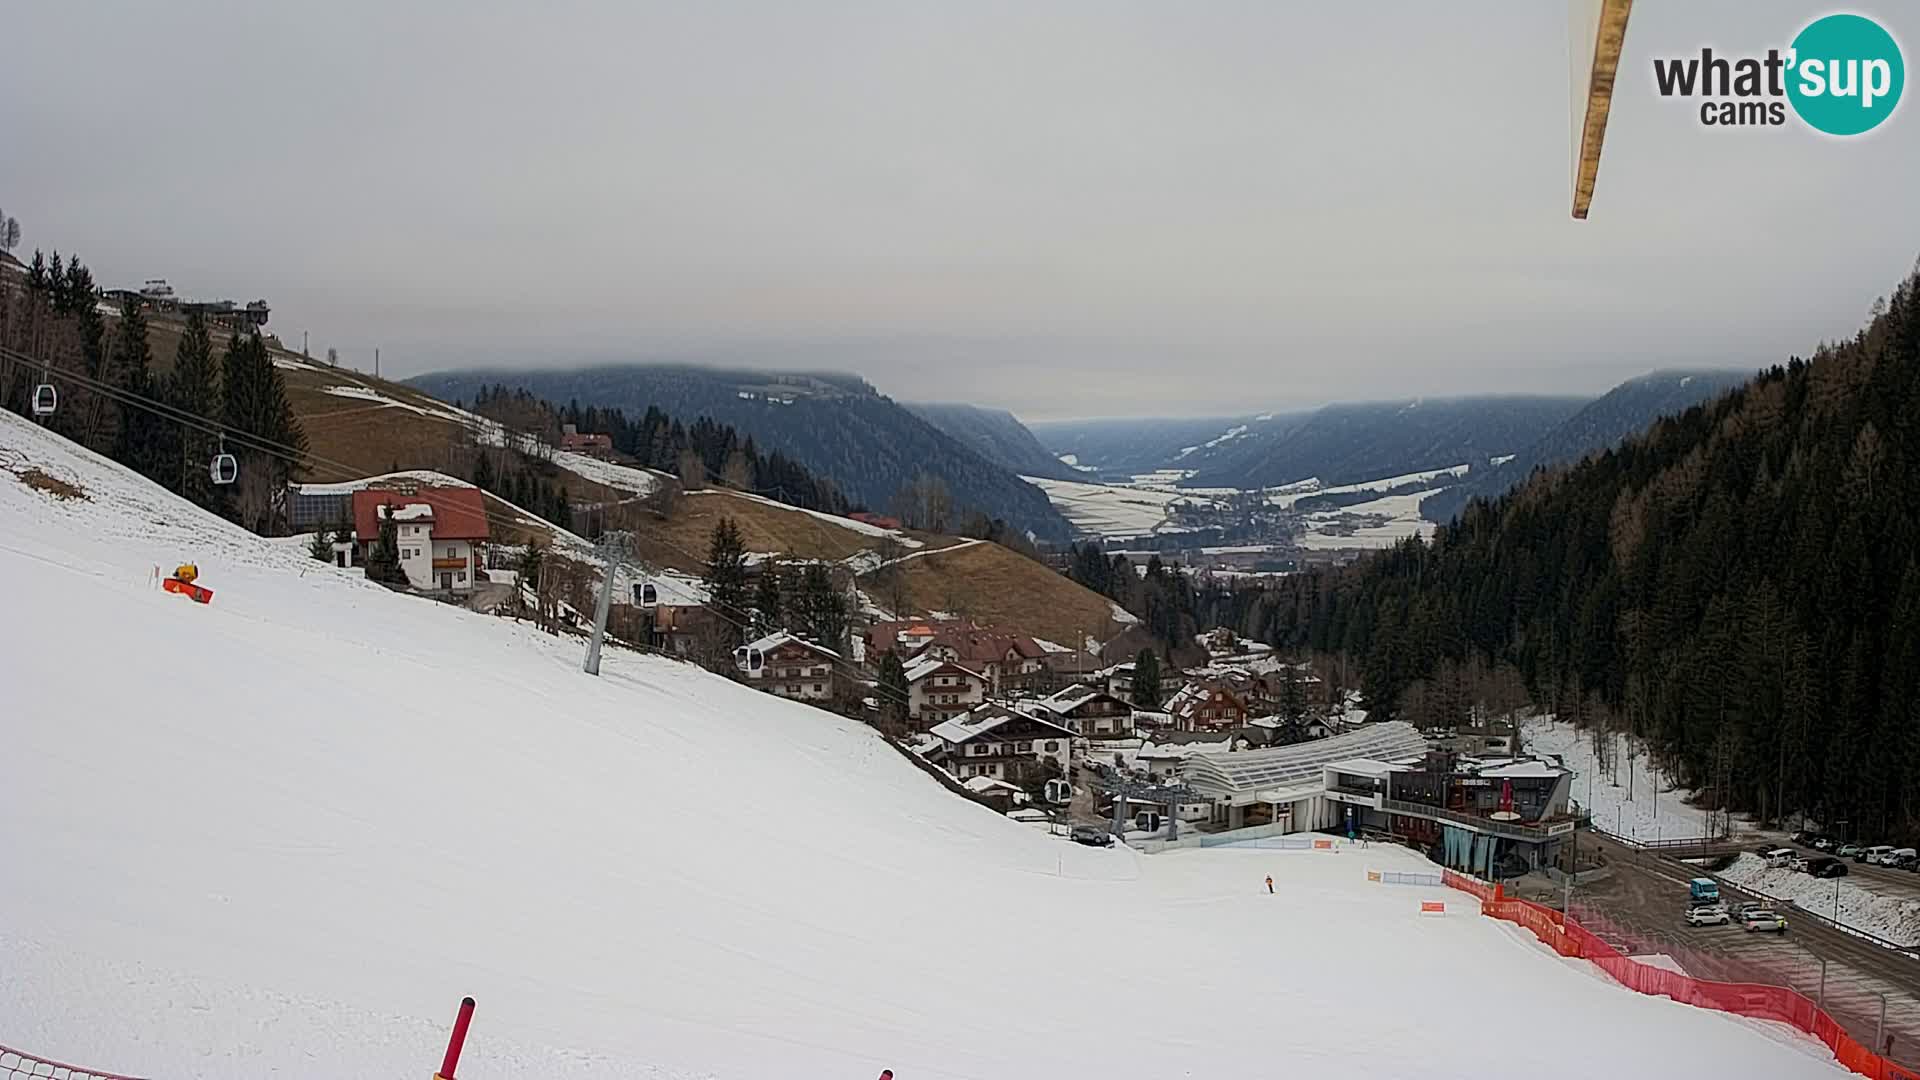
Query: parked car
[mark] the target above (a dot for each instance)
(1708, 916)
(1850, 851)
(1905, 858)
(1740, 909)
(1876, 855)
(1092, 836)
(1825, 866)
(1805, 837)
(1823, 843)
(1780, 858)
(1761, 920)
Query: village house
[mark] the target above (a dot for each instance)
(1008, 661)
(1119, 679)
(1088, 712)
(678, 629)
(1207, 705)
(939, 690)
(789, 667)
(600, 446)
(440, 532)
(998, 742)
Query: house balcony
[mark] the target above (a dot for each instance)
(449, 564)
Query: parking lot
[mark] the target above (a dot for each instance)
(1641, 906)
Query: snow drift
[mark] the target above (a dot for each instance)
(281, 835)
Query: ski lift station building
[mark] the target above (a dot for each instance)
(1287, 785)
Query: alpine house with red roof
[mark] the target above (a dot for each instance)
(440, 532)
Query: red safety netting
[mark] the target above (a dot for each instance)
(1568, 938)
(15, 1065)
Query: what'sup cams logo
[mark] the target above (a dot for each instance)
(1842, 75)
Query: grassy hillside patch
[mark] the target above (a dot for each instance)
(991, 585)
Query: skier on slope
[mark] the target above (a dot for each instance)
(1269, 883)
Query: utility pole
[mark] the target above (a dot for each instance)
(376, 362)
(613, 549)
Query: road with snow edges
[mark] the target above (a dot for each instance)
(1644, 901)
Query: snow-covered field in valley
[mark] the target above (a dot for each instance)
(282, 835)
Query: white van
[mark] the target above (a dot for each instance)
(1877, 854)
(1782, 858)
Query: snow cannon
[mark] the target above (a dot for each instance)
(183, 581)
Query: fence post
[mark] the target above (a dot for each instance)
(1821, 1002)
(458, 1039)
(1880, 1030)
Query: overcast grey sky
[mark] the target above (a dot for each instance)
(1065, 208)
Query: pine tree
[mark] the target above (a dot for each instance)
(383, 562)
(825, 610)
(194, 388)
(1293, 699)
(1146, 679)
(137, 442)
(893, 691)
(321, 547)
(726, 573)
(767, 616)
(483, 471)
(254, 403)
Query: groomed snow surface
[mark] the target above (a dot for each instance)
(282, 834)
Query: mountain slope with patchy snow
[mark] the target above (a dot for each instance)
(283, 833)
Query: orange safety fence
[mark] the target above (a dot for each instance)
(15, 1065)
(1758, 1000)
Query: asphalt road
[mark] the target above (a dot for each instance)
(1642, 907)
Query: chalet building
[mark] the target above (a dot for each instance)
(1207, 705)
(1089, 712)
(677, 629)
(938, 691)
(789, 667)
(1009, 661)
(1119, 679)
(441, 533)
(571, 440)
(1001, 743)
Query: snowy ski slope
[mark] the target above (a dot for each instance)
(282, 834)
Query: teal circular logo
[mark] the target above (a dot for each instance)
(1846, 74)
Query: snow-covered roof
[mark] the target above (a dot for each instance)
(412, 512)
(1246, 772)
(775, 640)
(924, 666)
(1524, 770)
(980, 785)
(1361, 767)
(984, 720)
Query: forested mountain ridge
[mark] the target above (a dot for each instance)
(998, 436)
(1351, 443)
(1738, 585)
(837, 426)
(1625, 410)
